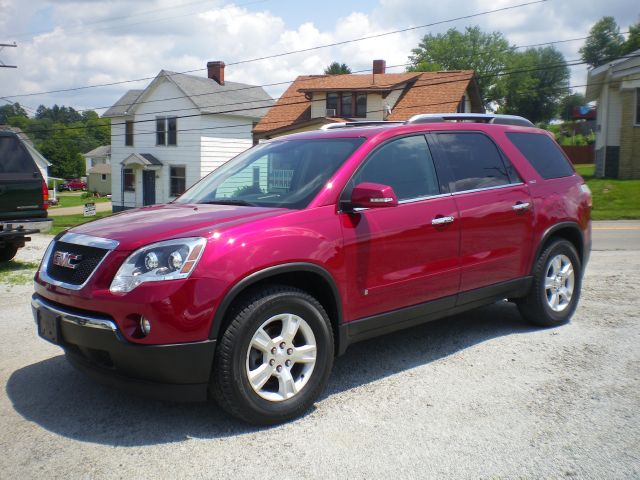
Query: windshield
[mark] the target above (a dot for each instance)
(287, 174)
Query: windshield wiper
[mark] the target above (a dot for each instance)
(230, 201)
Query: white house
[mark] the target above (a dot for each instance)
(179, 128)
(98, 156)
(615, 86)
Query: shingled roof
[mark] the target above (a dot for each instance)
(210, 97)
(426, 92)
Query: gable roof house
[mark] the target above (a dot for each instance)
(169, 135)
(615, 87)
(315, 100)
(98, 156)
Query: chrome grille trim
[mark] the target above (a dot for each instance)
(78, 239)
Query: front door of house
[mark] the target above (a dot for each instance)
(148, 187)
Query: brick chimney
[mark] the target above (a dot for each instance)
(215, 71)
(379, 66)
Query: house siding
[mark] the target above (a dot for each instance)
(629, 166)
(222, 138)
(319, 105)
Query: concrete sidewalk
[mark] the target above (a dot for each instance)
(79, 209)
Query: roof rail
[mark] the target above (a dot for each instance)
(471, 117)
(363, 123)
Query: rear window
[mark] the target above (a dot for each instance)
(543, 154)
(13, 157)
(475, 161)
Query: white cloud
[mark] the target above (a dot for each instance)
(83, 49)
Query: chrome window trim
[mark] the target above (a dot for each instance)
(420, 199)
(77, 239)
(80, 320)
(89, 241)
(488, 188)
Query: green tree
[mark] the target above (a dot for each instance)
(11, 110)
(604, 43)
(568, 103)
(533, 84)
(632, 43)
(337, 69)
(473, 49)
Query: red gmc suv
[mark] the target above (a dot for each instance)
(246, 287)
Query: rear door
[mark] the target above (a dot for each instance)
(495, 207)
(20, 181)
(397, 257)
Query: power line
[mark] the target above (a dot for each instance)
(292, 52)
(82, 27)
(250, 87)
(449, 80)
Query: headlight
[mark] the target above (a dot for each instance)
(170, 260)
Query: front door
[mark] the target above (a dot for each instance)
(397, 256)
(148, 187)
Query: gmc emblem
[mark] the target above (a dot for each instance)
(66, 259)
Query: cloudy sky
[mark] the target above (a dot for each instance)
(64, 44)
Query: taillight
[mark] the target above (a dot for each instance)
(45, 195)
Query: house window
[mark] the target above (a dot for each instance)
(177, 181)
(128, 133)
(332, 104)
(638, 106)
(103, 177)
(346, 104)
(166, 131)
(462, 105)
(346, 100)
(129, 180)
(361, 105)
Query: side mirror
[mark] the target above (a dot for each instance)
(373, 195)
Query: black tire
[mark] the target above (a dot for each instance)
(230, 384)
(8, 252)
(535, 307)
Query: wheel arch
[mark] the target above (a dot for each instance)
(569, 231)
(310, 277)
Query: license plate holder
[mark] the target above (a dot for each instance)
(48, 326)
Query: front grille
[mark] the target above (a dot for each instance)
(90, 258)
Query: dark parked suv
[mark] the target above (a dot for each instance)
(23, 196)
(246, 287)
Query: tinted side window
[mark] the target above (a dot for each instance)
(474, 160)
(14, 158)
(405, 165)
(542, 153)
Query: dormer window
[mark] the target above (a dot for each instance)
(346, 104)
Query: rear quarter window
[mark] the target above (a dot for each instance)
(542, 153)
(14, 158)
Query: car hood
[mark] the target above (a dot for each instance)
(135, 228)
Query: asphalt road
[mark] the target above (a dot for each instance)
(480, 395)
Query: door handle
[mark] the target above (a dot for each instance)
(442, 220)
(521, 206)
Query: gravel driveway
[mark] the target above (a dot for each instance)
(480, 395)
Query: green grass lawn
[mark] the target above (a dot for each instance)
(63, 222)
(71, 200)
(17, 272)
(612, 199)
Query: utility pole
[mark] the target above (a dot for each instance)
(2, 47)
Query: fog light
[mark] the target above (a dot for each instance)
(145, 326)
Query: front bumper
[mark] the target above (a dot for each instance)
(93, 344)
